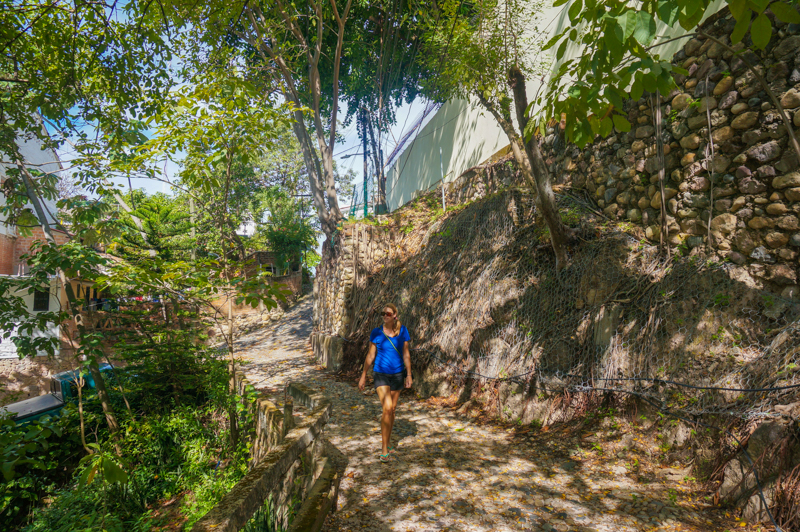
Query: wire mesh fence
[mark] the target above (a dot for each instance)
(479, 291)
(363, 197)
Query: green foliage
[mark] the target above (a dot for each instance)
(78, 75)
(215, 120)
(166, 452)
(163, 347)
(287, 233)
(722, 300)
(570, 216)
(103, 463)
(470, 48)
(620, 61)
(33, 459)
(267, 519)
(165, 228)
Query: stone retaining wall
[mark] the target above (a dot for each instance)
(358, 250)
(288, 465)
(745, 203)
(24, 378)
(747, 199)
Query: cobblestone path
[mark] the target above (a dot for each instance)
(452, 473)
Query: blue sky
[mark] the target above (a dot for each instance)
(351, 145)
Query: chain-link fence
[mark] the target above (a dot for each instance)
(696, 337)
(479, 291)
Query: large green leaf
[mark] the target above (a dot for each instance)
(759, 5)
(761, 31)
(621, 123)
(645, 28)
(575, 10)
(785, 12)
(665, 84)
(737, 8)
(553, 41)
(692, 16)
(606, 125)
(627, 22)
(656, 69)
(612, 94)
(613, 41)
(668, 11)
(649, 82)
(561, 50)
(637, 89)
(742, 25)
(594, 123)
(113, 473)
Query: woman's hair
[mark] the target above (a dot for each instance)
(396, 321)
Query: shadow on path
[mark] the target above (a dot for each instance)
(453, 474)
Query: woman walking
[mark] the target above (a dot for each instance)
(388, 349)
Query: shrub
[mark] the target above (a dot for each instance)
(36, 458)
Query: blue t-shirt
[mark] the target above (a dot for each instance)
(389, 358)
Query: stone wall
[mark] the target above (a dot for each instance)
(289, 464)
(358, 250)
(747, 199)
(742, 205)
(28, 377)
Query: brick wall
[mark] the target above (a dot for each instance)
(28, 377)
(7, 244)
(291, 282)
(23, 245)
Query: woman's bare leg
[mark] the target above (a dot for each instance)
(388, 400)
(395, 397)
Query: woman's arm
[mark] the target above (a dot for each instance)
(367, 363)
(407, 362)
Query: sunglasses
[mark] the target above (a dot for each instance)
(387, 313)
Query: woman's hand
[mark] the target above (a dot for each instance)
(362, 382)
(408, 381)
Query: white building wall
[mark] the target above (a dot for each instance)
(468, 136)
(7, 347)
(45, 160)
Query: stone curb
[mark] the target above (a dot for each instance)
(239, 505)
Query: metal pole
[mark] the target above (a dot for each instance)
(441, 165)
(194, 235)
(364, 132)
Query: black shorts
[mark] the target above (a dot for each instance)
(395, 381)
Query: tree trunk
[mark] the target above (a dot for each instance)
(232, 413)
(231, 336)
(319, 164)
(545, 199)
(560, 235)
(102, 393)
(314, 169)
